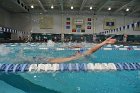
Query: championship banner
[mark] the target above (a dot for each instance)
(78, 25)
(68, 23)
(46, 22)
(109, 23)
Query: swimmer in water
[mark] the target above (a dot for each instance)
(78, 54)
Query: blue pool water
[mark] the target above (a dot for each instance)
(68, 82)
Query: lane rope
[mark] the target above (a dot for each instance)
(13, 68)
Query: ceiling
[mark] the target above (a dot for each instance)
(79, 6)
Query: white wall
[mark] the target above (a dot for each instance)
(4, 18)
(18, 21)
(120, 21)
(30, 23)
(59, 25)
(21, 21)
(97, 25)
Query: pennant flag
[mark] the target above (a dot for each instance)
(123, 27)
(14, 31)
(3, 29)
(116, 29)
(132, 25)
(138, 24)
(127, 26)
(120, 28)
(6, 30)
(135, 24)
(11, 31)
(0, 28)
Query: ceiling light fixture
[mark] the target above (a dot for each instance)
(32, 6)
(90, 8)
(52, 7)
(127, 9)
(71, 7)
(109, 8)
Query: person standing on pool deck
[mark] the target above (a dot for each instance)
(79, 53)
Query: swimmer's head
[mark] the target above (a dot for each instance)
(80, 51)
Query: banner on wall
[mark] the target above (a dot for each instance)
(68, 23)
(89, 22)
(135, 26)
(46, 22)
(109, 23)
(78, 25)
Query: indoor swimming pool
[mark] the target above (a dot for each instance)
(75, 81)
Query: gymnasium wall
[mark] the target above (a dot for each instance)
(4, 18)
(31, 23)
(119, 22)
(97, 23)
(17, 21)
(21, 22)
